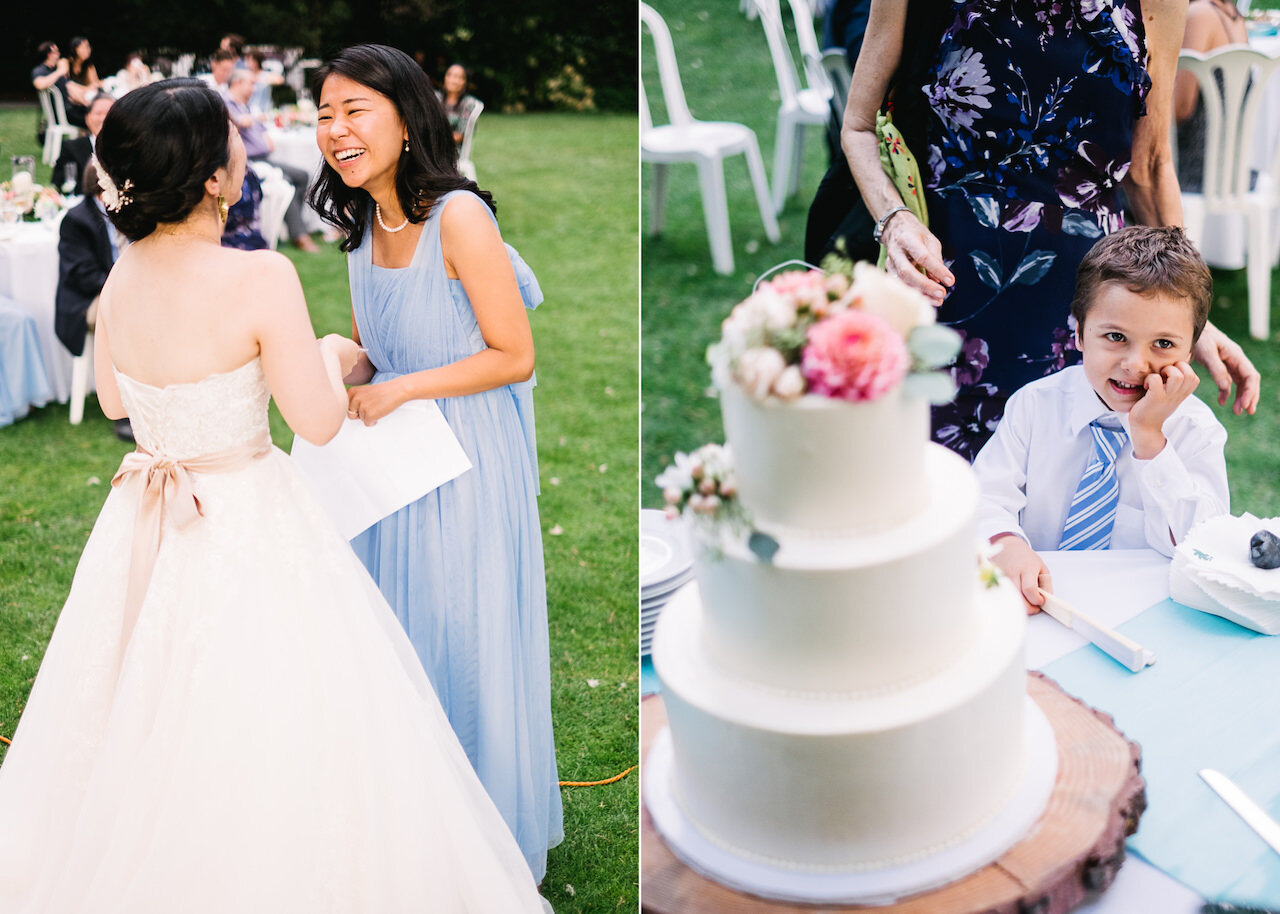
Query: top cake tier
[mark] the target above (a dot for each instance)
(824, 467)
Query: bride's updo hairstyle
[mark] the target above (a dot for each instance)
(164, 141)
(425, 173)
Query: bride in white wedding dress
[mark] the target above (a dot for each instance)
(228, 717)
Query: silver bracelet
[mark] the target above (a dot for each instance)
(878, 232)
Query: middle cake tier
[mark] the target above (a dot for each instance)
(846, 616)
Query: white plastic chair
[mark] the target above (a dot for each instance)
(799, 107)
(81, 372)
(466, 164)
(704, 143)
(55, 124)
(277, 194)
(835, 63)
(1229, 162)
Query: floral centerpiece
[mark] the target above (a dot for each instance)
(33, 201)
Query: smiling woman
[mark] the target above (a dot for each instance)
(438, 303)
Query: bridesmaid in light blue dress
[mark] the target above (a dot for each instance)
(462, 567)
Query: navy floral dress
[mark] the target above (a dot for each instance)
(1032, 105)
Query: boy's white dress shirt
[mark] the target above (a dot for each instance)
(1030, 468)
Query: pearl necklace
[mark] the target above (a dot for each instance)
(377, 211)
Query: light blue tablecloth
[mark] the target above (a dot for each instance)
(1212, 700)
(23, 382)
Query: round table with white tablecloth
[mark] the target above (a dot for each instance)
(29, 277)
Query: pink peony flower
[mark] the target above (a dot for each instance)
(855, 356)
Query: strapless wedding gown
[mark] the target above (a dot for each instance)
(262, 737)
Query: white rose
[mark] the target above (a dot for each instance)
(778, 311)
(21, 183)
(890, 298)
(757, 370)
(790, 384)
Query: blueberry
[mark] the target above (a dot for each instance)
(1264, 549)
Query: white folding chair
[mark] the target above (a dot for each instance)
(799, 107)
(277, 194)
(55, 124)
(466, 164)
(81, 372)
(1230, 164)
(704, 143)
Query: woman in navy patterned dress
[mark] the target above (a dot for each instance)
(1030, 117)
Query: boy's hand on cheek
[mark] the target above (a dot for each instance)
(1165, 390)
(1022, 565)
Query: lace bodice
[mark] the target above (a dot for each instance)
(218, 412)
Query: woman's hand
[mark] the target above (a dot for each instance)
(1227, 363)
(913, 249)
(370, 402)
(347, 351)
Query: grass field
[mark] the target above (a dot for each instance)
(566, 192)
(725, 68)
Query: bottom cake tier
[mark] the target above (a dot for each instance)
(853, 784)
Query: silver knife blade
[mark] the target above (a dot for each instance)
(1254, 815)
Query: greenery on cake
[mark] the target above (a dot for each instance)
(849, 332)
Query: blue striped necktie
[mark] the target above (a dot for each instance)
(1093, 509)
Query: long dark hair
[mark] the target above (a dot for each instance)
(426, 172)
(165, 140)
(79, 70)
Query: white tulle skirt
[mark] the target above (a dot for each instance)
(266, 741)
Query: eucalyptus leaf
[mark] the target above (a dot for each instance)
(935, 386)
(933, 345)
(763, 545)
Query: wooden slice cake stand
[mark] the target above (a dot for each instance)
(1074, 851)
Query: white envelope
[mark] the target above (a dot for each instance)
(369, 472)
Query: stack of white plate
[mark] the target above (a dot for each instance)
(666, 565)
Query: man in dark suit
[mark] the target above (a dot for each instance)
(76, 151)
(87, 248)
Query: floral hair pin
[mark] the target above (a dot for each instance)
(114, 198)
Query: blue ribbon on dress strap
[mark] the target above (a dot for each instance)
(522, 391)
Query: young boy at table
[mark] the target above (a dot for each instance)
(1114, 453)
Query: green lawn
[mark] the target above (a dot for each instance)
(725, 68)
(566, 192)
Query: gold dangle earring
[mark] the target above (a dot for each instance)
(223, 209)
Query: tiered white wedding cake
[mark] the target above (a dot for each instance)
(845, 693)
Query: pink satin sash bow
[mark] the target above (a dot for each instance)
(166, 486)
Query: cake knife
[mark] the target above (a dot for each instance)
(1254, 815)
(1126, 651)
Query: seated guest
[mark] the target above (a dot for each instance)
(76, 151)
(258, 148)
(1115, 453)
(88, 246)
(459, 107)
(82, 78)
(134, 74)
(52, 72)
(221, 64)
(263, 81)
(243, 228)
